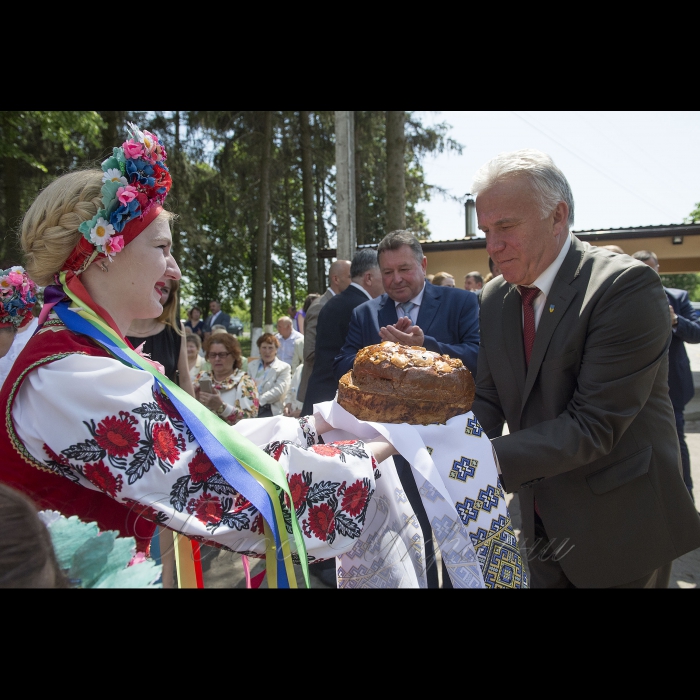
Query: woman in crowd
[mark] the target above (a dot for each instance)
(17, 323)
(163, 338)
(194, 323)
(272, 376)
(233, 393)
(443, 279)
(94, 429)
(195, 360)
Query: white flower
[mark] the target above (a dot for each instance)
(114, 175)
(137, 133)
(102, 232)
(5, 283)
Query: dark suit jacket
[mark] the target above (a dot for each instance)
(222, 318)
(310, 322)
(331, 330)
(592, 430)
(680, 377)
(448, 317)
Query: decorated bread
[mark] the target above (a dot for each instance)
(392, 383)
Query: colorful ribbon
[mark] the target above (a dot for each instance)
(247, 468)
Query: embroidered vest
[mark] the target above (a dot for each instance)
(19, 469)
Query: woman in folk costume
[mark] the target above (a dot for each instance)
(94, 429)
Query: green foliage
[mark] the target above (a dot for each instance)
(694, 215)
(215, 161)
(690, 282)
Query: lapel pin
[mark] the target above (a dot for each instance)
(551, 308)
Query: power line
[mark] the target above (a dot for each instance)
(595, 167)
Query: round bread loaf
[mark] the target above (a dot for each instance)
(392, 383)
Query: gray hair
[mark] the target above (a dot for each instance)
(546, 180)
(364, 260)
(396, 239)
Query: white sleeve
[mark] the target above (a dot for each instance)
(94, 420)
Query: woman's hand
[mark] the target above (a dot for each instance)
(381, 448)
(211, 401)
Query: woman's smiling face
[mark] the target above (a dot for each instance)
(133, 286)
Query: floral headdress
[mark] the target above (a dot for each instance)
(136, 182)
(17, 298)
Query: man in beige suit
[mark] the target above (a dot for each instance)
(338, 281)
(574, 358)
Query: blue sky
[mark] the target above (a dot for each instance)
(624, 168)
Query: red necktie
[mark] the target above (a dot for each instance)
(528, 295)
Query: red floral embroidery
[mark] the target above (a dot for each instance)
(298, 488)
(165, 443)
(355, 498)
(201, 467)
(258, 524)
(206, 509)
(322, 521)
(117, 435)
(99, 475)
(241, 503)
(327, 450)
(166, 405)
(60, 459)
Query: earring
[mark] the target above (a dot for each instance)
(103, 267)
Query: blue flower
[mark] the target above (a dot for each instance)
(123, 214)
(142, 170)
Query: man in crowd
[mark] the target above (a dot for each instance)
(216, 315)
(333, 322)
(411, 312)
(592, 448)
(338, 281)
(473, 282)
(291, 348)
(685, 328)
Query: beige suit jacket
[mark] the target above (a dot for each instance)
(310, 322)
(592, 430)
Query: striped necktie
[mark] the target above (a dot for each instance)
(406, 308)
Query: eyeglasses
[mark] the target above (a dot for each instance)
(221, 355)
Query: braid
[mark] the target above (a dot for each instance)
(49, 229)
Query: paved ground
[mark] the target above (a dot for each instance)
(224, 569)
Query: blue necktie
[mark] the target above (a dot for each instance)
(406, 308)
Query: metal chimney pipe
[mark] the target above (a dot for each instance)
(470, 216)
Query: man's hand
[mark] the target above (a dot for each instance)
(403, 332)
(674, 318)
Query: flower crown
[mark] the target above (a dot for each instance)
(135, 180)
(17, 298)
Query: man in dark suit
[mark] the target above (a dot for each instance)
(331, 329)
(574, 358)
(441, 319)
(338, 281)
(333, 322)
(685, 326)
(216, 316)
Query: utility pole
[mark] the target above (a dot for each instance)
(345, 184)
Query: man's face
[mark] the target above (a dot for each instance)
(284, 328)
(214, 306)
(373, 283)
(471, 285)
(403, 276)
(517, 238)
(652, 264)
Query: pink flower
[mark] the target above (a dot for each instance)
(114, 245)
(15, 278)
(126, 194)
(133, 149)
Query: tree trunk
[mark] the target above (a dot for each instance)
(268, 285)
(359, 222)
(322, 236)
(264, 213)
(395, 178)
(312, 279)
(290, 256)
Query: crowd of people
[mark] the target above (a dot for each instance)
(161, 426)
